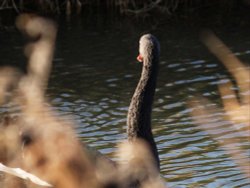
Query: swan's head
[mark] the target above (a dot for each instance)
(148, 45)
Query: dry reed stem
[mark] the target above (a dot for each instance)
(54, 154)
(40, 54)
(237, 69)
(48, 146)
(236, 108)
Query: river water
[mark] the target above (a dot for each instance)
(95, 73)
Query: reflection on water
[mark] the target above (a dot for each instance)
(95, 74)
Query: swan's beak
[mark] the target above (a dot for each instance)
(140, 58)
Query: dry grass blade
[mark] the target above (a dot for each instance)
(46, 145)
(236, 108)
(238, 70)
(40, 54)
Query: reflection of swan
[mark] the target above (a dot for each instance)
(139, 113)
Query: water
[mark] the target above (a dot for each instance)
(95, 73)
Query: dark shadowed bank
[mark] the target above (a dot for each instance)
(196, 10)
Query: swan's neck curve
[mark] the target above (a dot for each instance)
(139, 113)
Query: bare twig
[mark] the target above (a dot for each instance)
(147, 8)
(14, 5)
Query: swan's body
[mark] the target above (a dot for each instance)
(139, 113)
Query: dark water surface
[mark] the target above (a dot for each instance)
(95, 73)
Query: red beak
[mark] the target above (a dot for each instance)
(139, 58)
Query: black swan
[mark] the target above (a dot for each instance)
(139, 113)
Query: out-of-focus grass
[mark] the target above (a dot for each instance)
(236, 106)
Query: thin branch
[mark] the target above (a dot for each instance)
(14, 6)
(145, 9)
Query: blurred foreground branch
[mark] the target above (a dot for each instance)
(236, 106)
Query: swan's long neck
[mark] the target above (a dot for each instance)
(139, 113)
